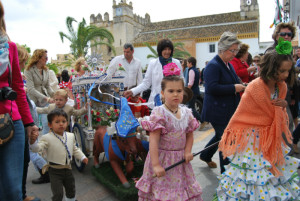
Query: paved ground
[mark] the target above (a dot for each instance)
(89, 189)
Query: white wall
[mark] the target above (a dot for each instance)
(141, 53)
(202, 52)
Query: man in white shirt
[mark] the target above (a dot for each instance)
(126, 65)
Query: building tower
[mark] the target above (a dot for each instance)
(249, 9)
(125, 26)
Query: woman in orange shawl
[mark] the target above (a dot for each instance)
(260, 168)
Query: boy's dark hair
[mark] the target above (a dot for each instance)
(270, 65)
(56, 112)
(192, 60)
(162, 44)
(171, 78)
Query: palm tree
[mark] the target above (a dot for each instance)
(179, 50)
(85, 37)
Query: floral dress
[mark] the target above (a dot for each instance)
(248, 176)
(179, 183)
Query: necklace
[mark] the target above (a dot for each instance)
(174, 112)
(64, 143)
(276, 93)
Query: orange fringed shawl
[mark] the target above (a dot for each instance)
(256, 111)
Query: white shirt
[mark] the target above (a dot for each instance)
(133, 70)
(53, 81)
(153, 78)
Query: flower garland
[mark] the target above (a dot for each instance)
(103, 118)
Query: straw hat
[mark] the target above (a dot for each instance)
(187, 95)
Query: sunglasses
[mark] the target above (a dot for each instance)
(256, 60)
(289, 34)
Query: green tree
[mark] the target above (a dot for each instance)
(53, 66)
(85, 37)
(179, 50)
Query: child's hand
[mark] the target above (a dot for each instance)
(188, 157)
(85, 161)
(159, 171)
(33, 136)
(279, 102)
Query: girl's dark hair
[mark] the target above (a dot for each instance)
(55, 113)
(162, 44)
(270, 65)
(65, 76)
(170, 78)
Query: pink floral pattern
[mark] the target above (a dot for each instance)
(179, 184)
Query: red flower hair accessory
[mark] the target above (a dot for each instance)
(171, 69)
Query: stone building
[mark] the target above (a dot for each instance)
(64, 61)
(199, 34)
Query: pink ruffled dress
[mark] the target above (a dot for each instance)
(179, 183)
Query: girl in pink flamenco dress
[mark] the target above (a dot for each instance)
(171, 127)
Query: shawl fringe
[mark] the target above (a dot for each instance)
(240, 129)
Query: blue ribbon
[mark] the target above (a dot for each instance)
(106, 140)
(157, 101)
(95, 99)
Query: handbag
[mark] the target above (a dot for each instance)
(7, 128)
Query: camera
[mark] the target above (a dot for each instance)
(6, 93)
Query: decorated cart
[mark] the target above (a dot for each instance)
(100, 102)
(102, 130)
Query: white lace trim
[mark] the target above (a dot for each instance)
(183, 122)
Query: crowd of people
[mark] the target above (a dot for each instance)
(248, 101)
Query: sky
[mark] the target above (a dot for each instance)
(37, 23)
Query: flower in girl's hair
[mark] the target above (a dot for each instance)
(171, 69)
(284, 47)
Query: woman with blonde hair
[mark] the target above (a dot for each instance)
(12, 153)
(78, 66)
(38, 84)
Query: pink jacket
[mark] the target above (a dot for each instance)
(20, 108)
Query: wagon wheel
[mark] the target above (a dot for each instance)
(80, 143)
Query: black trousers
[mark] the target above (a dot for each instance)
(296, 134)
(208, 154)
(60, 178)
(26, 164)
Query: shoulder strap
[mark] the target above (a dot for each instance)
(10, 74)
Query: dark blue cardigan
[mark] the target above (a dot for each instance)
(220, 100)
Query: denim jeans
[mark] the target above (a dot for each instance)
(11, 165)
(37, 160)
(208, 154)
(44, 121)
